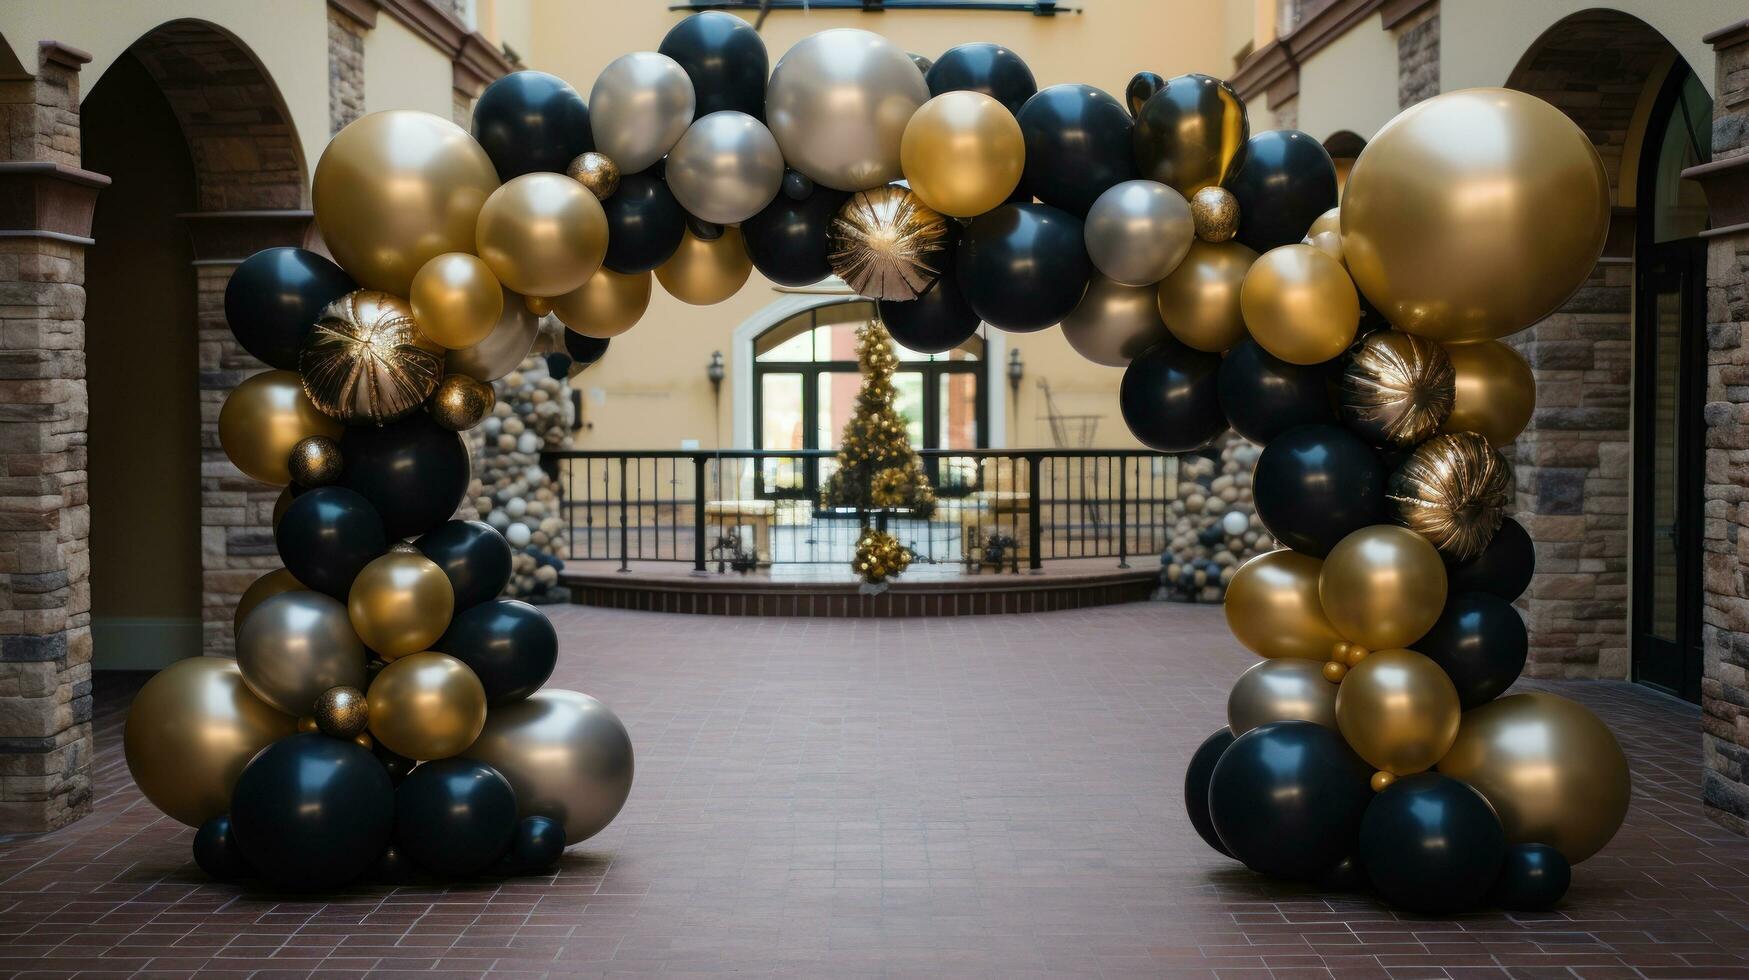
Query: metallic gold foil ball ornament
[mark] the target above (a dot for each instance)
(887, 244)
(596, 172)
(315, 461)
(1215, 213)
(879, 556)
(366, 361)
(1453, 490)
(1397, 388)
(460, 402)
(342, 712)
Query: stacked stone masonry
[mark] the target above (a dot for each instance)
(1418, 60)
(345, 70)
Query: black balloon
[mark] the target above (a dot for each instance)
(1287, 798)
(510, 645)
(1264, 396)
(394, 763)
(939, 319)
(1431, 844)
(1285, 182)
(455, 816)
(1533, 877)
(787, 240)
(1023, 267)
(1077, 146)
(797, 186)
(645, 224)
(726, 60)
(536, 845)
(1185, 128)
(1170, 397)
(313, 812)
(1346, 875)
(982, 67)
(327, 535)
(923, 63)
(275, 296)
(1196, 787)
(585, 350)
(474, 557)
(531, 121)
(1141, 88)
(1314, 484)
(1480, 642)
(393, 868)
(414, 471)
(704, 231)
(216, 850)
(1503, 569)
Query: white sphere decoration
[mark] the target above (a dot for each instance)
(518, 534)
(499, 520)
(528, 442)
(1234, 522)
(516, 507)
(492, 426)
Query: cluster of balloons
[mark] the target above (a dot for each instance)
(1376, 738)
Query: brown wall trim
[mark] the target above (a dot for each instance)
(229, 237)
(41, 199)
(476, 61)
(1395, 12)
(1274, 69)
(1728, 36)
(1727, 191)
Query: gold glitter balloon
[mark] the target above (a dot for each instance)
(596, 172)
(887, 244)
(1397, 388)
(1453, 490)
(366, 360)
(460, 402)
(342, 712)
(315, 461)
(1215, 212)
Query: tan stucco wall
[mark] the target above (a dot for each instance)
(402, 71)
(1351, 84)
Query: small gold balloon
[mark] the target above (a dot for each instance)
(259, 591)
(366, 361)
(460, 402)
(1334, 671)
(542, 234)
(1272, 607)
(596, 172)
(1383, 587)
(263, 418)
(1300, 305)
(315, 461)
(456, 300)
(609, 304)
(541, 305)
(1382, 781)
(1328, 242)
(307, 725)
(1200, 299)
(962, 153)
(1453, 490)
(1329, 221)
(1281, 690)
(426, 706)
(1396, 389)
(704, 272)
(887, 244)
(364, 741)
(1398, 710)
(1356, 653)
(400, 604)
(1215, 213)
(1495, 391)
(342, 712)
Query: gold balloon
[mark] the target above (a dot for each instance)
(280, 504)
(191, 730)
(259, 591)
(400, 604)
(307, 725)
(1281, 690)
(1215, 213)
(263, 418)
(540, 305)
(1474, 214)
(542, 234)
(1398, 710)
(1328, 242)
(315, 461)
(705, 272)
(962, 153)
(567, 756)
(1300, 305)
(426, 706)
(887, 244)
(456, 300)
(1329, 221)
(1453, 490)
(460, 402)
(1382, 587)
(1553, 771)
(395, 189)
(609, 304)
(1397, 388)
(1496, 392)
(342, 712)
(596, 172)
(1200, 299)
(1273, 609)
(366, 361)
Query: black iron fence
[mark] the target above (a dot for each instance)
(996, 509)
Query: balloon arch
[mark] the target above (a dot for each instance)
(385, 709)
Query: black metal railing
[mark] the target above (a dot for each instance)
(996, 509)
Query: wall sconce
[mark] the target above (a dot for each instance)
(1016, 371)
(714, 371)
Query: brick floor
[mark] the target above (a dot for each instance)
(990, 796)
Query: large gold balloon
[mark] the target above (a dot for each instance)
(259, 591)
(1397, 388)
(1474, 214)
(456, 299)
(426, 706)
(705, 272)
(1272, 607)
(1453, 490)
(1553, 771)
(400, 604)
(1382, 587)
(1200, 299)
(1300, 305)
(395, 189)
(542, 234)
(1495, 393)
(1281, 690)
(887, 244)
(296, 645)
(191, 730)
(567, 756)
(1398, 710)
(263, 418)
(503, 349)
(962, 153)
(366, 360)
(609, 304)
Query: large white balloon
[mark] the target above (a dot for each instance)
(838, 103)
(1138, 231)
(1114, 322)
(726, 168)
(640, 107)
(567, 756)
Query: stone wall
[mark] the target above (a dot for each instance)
(1418, 59)
(345, 69)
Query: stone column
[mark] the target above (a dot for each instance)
(347, 22)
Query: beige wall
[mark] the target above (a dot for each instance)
(1351, 84)
(402, 71)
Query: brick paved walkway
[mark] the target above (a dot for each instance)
(984, 796)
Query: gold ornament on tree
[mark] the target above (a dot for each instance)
(1397, 388)
(887, 244)
(1453, 490)
(880, 556)
(367, 361)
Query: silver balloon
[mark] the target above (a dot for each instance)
(639, 108)
(838, 103)
(1282, 689)
(503, 349)
(1138, 231)
(295, 646)
(1114, 322)
(726, 168)
(567, 756)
